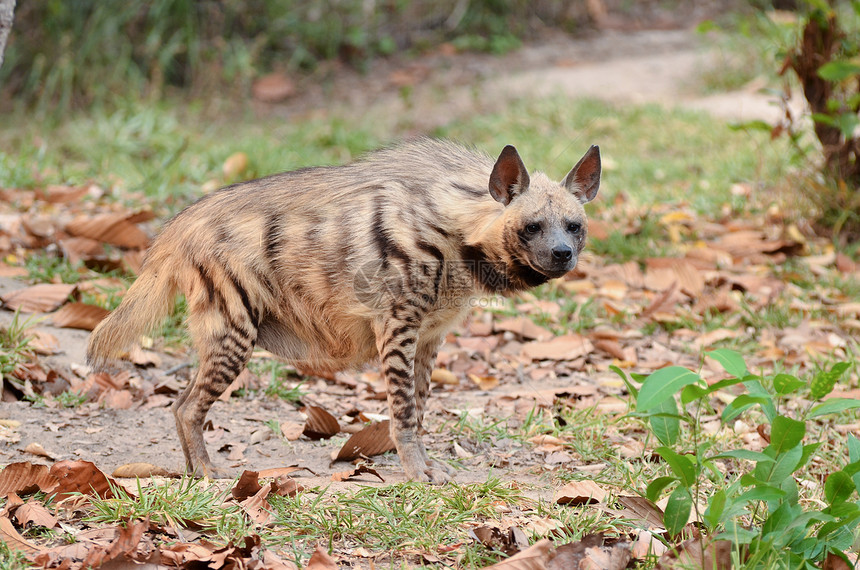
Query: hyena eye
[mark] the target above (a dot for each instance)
(574, 227)
(532, 228)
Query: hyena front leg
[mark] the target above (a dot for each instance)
(425, 360)
(224, 344)
(396, 340)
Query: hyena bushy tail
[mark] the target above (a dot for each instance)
(145, 304)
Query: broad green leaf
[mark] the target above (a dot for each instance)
(723, 384)
(838, 487)
(681, 465)
(786, 384)
(655, 487)
(833, 406)
(677, 512)
(808, 450)
(838, 70)
(828, 529)
(663, 384)
(747, 454)
(786, 433)
(666, 425)
(731, 361)
(716, 506)
(761, 492)
(854, 456)
(692, 392)
(742, 403)
(783, 465)
(630, 387)
(755, 389)
(777, 523)
(853, 448)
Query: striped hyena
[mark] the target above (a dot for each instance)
(331, 267)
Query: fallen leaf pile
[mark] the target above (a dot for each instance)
(71, 483)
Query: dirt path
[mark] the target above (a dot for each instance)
(642, 67)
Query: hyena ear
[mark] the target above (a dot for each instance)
(509, 177)
(583, 180)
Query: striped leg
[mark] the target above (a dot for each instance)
(425, 360)
(223, 345)
(396, 340)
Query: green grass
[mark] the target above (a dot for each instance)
(283, 380)
(165, 153)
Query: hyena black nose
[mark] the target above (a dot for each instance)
(563, 253)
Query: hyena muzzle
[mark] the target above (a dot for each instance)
(331, 267)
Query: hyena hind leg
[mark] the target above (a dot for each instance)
(223, 352)
(425, 360)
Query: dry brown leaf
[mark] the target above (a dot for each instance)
(352, 473)
(320, 424)
(273, 88)
(56, 194)
(641, 511)
(35, 448)
(116, 399)
(509, 541)
(95, 547)
(523, 327)
(248, 485)
(535, 557)
(271, 561)
(291, 430)
(25, 477)
(81, 477)
(13, 539)
(578, 493)
(287, 487)
(442, 376)
(320, 560)
(115, 228)
(484, 382)
(257, 507)
(41, 298)
(610, 347)
(44, 343)
(714, 336)
(141, 471)
(77, 249)
(235, 164)
(566, 347)
(35, 513)
(592, 552)
(835, 562)
(694, 553)
(79, 316)
(375, 439)
(276, 472)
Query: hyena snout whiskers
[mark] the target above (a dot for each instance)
(330, 268)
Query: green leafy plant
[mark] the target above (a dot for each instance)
(762, 511)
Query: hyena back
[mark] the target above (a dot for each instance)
(331, 267)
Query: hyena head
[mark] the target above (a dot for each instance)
(544, 223)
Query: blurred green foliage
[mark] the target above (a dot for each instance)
(66, 53)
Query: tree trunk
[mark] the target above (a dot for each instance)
(7, 14)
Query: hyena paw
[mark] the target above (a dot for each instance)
(211, 472)
(438, 473)
(431, 472)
